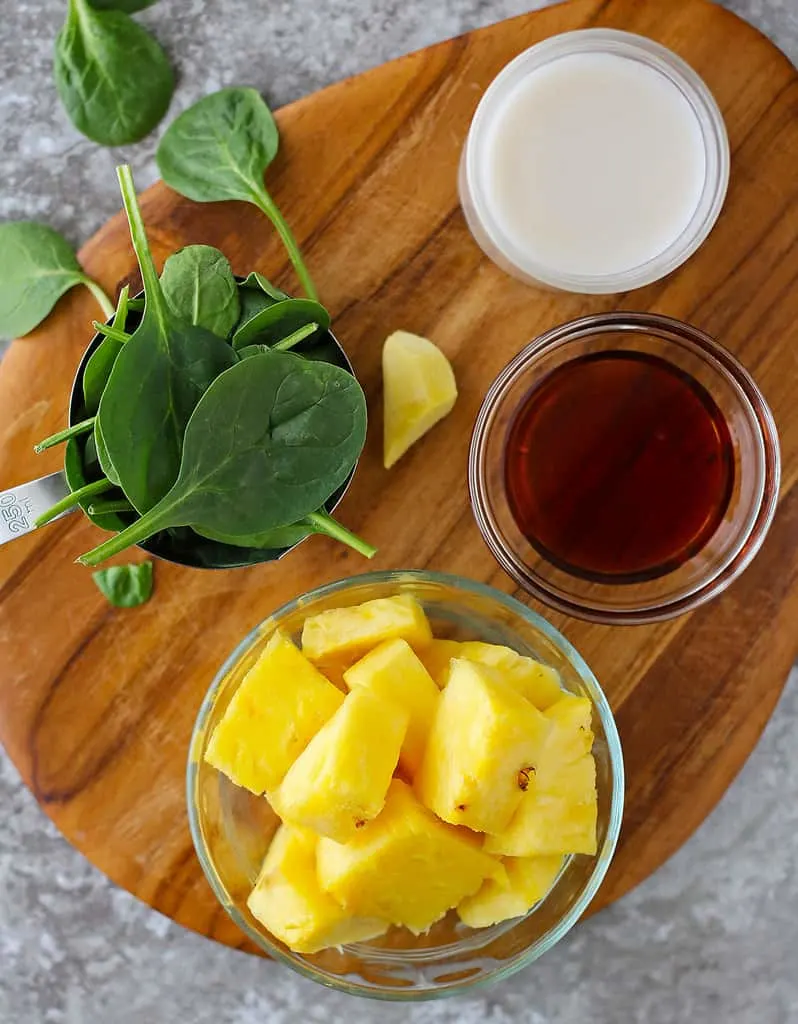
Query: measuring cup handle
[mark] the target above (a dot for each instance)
(20, 505)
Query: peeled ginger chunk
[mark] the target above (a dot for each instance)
(419, 390)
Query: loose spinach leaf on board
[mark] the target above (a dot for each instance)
(277, 321)
(219, 149)
(156, 381)
(113, 78)
(201, 289)
(101, 361)
(37, 265)
(125, 586)
(268, 443)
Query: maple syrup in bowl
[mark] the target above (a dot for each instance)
(624, 468)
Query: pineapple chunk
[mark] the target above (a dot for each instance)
(340, 780)
(348, 633)
(289, 902)
(405, 867)
(571, 735)
(484, 739)
(437, 656)
(539, 683)
(557, 815)
(280, 705)
(419, 390)
(394, 672)
(528, 881)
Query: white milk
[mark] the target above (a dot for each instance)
(594, 164)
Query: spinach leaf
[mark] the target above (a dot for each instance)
(287, 536)
(157, 380)
(82, 467)
(101, 451)
(113, 78)
(125, 586)
(270, 440)
(201, 289)
(256, 281)
(219, 149)
(101, 361)
(277, 321)
(37, 265)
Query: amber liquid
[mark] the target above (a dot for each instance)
(619, 467)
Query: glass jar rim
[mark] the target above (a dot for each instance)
(713, 132)
(715, 356)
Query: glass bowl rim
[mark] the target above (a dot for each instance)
(714, 135)
(723, 363)
(603, 856)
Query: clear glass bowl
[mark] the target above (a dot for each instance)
(494, 241)
(232, 829)
(757, 471)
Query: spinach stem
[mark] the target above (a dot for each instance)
(87, 491)
(99, 508)
(294, 339)
(155, 300)
(109, 331)
(323, 522)
(103, 301)
(264, 202)
(151, 522)
(64, 435)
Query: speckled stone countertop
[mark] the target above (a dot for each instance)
(711, 938)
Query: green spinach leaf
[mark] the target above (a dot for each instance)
(260, 283)
(125, 586)
(81, 467)
(114, 79)
(219, 149)
(158, 377)
(101, 361)
(201, 289)
(271, 439)
(37, 265)
(277, 321)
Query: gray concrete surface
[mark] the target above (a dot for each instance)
(711, 938)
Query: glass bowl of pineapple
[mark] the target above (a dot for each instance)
(404, 785)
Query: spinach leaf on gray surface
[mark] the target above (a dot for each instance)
(37, 265)
(125, 586)
(219, 149)
(201, 289)
(113, 77)
(158, 377)
(277, 321)
(101, 361)
(268, 443)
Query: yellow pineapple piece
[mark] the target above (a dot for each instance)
(339, 782)
(406, 866)
(557, 815)
(288, 900)
(484, 739)
(279, 706)
(419, 390)
(571, 735)
(437, 656)
(345, 634)
(394, 672)
(528, 881)
(539, 683)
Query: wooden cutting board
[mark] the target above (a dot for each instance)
(97, 704)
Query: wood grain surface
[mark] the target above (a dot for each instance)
(97, 704)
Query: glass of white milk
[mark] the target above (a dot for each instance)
(596, 162)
